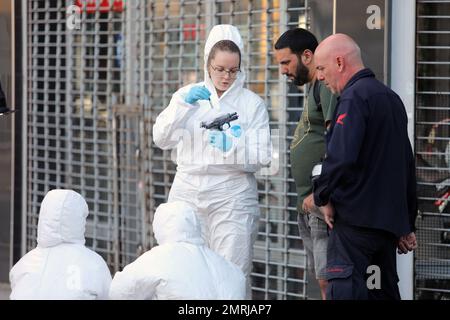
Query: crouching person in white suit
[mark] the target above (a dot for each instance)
(181, 267)
(61, 267)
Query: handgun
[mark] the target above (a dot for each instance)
(219, 122)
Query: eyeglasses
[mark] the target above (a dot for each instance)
(222, 72)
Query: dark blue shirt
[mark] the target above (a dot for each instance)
(369, 171)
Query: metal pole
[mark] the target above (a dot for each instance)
(13, 140)
(116, 244)
(130, 54)
(402, 82)
(24, 126)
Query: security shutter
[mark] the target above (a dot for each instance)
(93, 95)
(432, 260)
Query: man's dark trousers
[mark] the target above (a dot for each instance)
(351, 250)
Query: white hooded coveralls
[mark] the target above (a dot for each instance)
(61, 267)
(181, 267)
(220, 185)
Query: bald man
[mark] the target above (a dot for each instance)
(367, 187)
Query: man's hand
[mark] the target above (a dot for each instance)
(328, 213)
(308, 203)
(407, 243)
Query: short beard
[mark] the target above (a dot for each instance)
(302, 73)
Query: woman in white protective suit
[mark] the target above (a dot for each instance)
(181, 267)
(215, 169)
(61, 267)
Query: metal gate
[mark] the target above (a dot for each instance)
(93, 94)
(432, 263)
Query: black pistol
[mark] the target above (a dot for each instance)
(218, 123)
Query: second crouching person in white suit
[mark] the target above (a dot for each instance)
(181, 267)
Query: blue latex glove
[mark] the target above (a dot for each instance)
(236, 130)
(220, 140)
(197, 93)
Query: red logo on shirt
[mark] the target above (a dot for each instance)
(335, 270)
(341, 118)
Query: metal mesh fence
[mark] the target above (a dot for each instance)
(93, 95)
(432, 263)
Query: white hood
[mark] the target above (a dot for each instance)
(62, 218)
(218, 33)
(176, 222)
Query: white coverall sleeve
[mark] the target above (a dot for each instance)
(167, 130)
(135, 282)
(254, 148)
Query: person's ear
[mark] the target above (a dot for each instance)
(307, 57)
(340, 63)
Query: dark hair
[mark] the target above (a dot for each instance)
(298, 40)
(224, 45)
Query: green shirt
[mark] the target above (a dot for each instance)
(308, 145)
